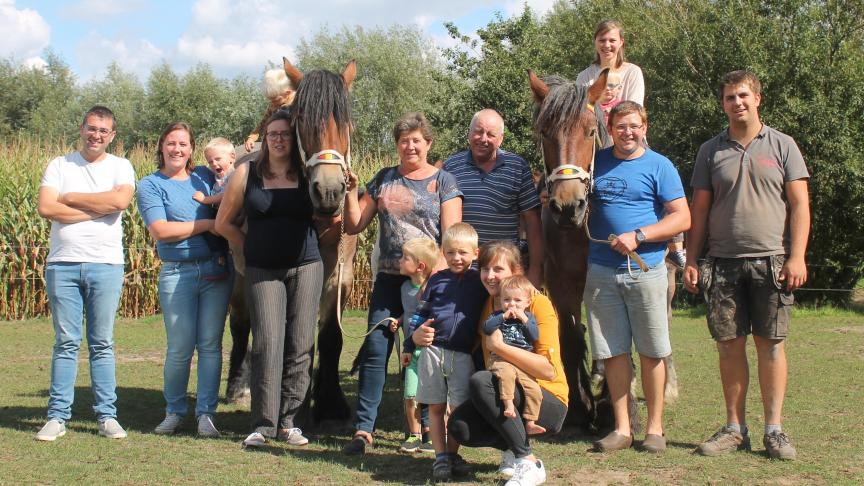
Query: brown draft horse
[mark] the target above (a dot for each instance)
(321, 115)
(569, 133)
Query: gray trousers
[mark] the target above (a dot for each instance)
(283, 307)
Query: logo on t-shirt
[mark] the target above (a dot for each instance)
(609, 189)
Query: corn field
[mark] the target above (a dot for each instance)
(24, 235)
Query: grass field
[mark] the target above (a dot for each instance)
(825, 419)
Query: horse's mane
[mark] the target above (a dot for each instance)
(562, 106)
(320, 96)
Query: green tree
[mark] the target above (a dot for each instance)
(123, 93)
(397, 69)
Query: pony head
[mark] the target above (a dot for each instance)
(321, 115)
(568, 130)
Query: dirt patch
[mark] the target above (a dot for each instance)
(849, 330)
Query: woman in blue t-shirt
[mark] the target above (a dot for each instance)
(284, 276)
(195, 280)
(411, 200)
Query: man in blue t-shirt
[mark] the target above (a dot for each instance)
(638, 198)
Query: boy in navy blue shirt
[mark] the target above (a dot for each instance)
(456, 297)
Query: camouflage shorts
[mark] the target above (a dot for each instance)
(745, 296)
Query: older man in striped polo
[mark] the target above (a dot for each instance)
(498, 189)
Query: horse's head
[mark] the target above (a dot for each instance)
(321, 115)
(569, 132)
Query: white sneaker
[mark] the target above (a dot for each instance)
(206, 427)
(255, 439)
(293, 436)
(528, 473)
(111, 428)
(51, 430)
(506, 468)
(169, 425)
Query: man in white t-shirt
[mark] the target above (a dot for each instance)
(84, 195)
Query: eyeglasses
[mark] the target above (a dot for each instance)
(625, 128)
(91, 130)
(274, 136)
(611, 86)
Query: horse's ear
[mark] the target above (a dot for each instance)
(292, 72)
(538, 87)
(349, 73)
(596, 89)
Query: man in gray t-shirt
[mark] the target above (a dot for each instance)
(750, 202)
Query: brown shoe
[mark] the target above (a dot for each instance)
(613, 442)
(724, 441)
(778, 446)
(653, 443)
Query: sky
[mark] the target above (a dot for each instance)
(233, 37)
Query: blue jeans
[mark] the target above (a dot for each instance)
(386, 301)
(75, 290)
(193, 309)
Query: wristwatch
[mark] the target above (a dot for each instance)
(640, 236)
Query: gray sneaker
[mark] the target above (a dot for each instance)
(51, 430)
(206, 427)
(293, 436)
(778, 446)
(169, 425)
(724, 441)
(111, 428)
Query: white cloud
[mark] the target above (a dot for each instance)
(242, 54)
(539, 7)
(24, 32)
(244, 34)
(86, 10)
(94, 52)
(36, 63)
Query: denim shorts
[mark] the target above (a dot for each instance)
(623, 310)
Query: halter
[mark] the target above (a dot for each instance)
(326, 156)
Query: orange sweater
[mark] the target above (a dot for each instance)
(547, 345)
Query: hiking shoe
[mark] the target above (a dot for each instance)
(460, 466)
(654, 443)
(206, 427)
(527, 473)
(427, 446)
(507, 465)
(778, 446)
(292, 436)
(169, 425)
(411, 444)
(613, 442)
(111, 428)
(255, 439)
(357, 446)
(441, 469)
(678, 258)
(51, 430)
(724, 441)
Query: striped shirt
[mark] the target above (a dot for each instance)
(493, 201)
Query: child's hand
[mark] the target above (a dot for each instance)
(351, 181)
(520, 314)
(510, 314)
(405, 359)
(544, 198)
(198, 196)
(249, 144)
(394, 324)
(424, 335)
